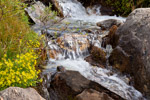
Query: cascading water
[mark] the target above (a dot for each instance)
(69, 51)
(75, 10)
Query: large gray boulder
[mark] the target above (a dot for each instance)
(16, 93)
(35, 11)
(132, 55)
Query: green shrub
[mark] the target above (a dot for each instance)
(18, 46)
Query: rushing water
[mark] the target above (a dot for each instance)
(74, 48)
(75, 10)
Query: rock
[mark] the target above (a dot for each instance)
(67, 85)
(61, 69)
(69, 42)
(73, 44)
(58, 7)
(16, 93)
(97, 57)
(53, 53)
(90, 94)
(111, 38)
(35, 11)
(132, 55)
(107, 24)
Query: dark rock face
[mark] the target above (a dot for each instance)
(107, 24)
(90, 94)
(16, 93)
(132, 55)
(67, 85)
(111, 38)
(97, 57)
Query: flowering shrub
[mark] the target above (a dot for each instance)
(19, 72)
(19, 46)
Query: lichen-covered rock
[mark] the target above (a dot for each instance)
(16, 93)
(132, 55)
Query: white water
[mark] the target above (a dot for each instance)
(75, 10)
(74, 59)
(99, 75)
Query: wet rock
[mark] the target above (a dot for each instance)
(70, 41)
(107, 24)
(58, 7)
(90, 94)
(16, 93)
(132, 55)
(35, 11)
(70, 44)
(53, 53)
(68, 85)
(111, 38)
(97, 57)
(61, 69)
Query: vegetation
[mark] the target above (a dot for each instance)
(18, 46)
(120, 7)
(124, 7)
(19, 72)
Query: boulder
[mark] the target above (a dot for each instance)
(35, 11)
(90, 94)
(107, 24)
(97, 57)
(111, 38)
(132, 55)
(67, 85)
(16, 93)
